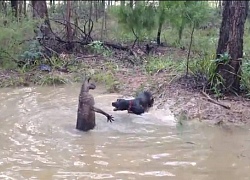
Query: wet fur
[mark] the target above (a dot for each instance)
(138, 105)
(86, 110)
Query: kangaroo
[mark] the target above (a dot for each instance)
(86, 110)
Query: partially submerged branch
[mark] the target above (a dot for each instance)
(214, 101)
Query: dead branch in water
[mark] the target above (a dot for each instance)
(213, 101)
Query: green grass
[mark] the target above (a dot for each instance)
(245, 78)
(156, 64)
(50, 80)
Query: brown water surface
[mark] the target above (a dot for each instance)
(39, 141)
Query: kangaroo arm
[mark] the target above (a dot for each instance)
(99, 111)
(109, 117)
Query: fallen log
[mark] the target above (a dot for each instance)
(213, 101)
(116, 46)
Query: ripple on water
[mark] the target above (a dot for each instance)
(6, 177)
(157, 173)
(103, 163)
(179, 163)
(158, 156)
(79, 163)
(126, 172)
(90, 175)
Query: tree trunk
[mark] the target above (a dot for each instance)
(75, 34)
(122, 3)
(96, 11)
(158, 39)
(189, 48)
(180, 31)
(69, 30)
(231, 71)
(20, 8)
(90, 14)
(14, 5)
(131, 3)
(220, 7)
(40, 11)
(52, 5)
(4, 8)
(2, 4)
(24, 8)
(103, 19)
(224, 30)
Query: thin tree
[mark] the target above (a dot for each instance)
(24, 8)
(103, 20)
(14, 7)
(69, 30)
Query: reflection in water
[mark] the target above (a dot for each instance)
(39, 141)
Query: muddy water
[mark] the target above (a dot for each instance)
(39, 141)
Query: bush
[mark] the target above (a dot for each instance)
(15, 38)
(156, 64)
(245, 76)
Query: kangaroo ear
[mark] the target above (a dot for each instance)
(89, 79)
